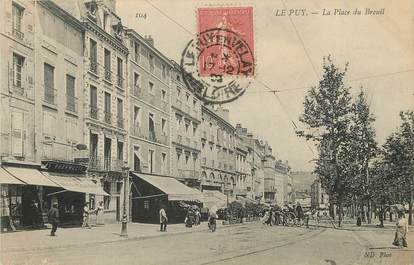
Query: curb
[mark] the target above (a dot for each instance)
(118, 239)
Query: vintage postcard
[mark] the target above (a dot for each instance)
(206, 132)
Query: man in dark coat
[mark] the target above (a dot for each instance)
(53, 216)
(35, 214)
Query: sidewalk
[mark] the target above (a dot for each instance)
(67, 237)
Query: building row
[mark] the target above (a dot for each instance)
(85, 100)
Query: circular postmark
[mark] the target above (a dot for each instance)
(218, 65)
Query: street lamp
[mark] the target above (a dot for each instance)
(125, 171)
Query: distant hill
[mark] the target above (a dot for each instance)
(302, 180)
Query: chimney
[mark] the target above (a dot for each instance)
(149, 40)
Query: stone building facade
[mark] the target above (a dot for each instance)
(149, 106)
(185, 132)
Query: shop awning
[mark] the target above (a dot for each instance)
(76, 183)
(214, 199)
(31, 176)
(6, 178)
(175, 190)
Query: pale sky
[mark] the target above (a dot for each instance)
(379, 49)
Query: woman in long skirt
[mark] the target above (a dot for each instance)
(400, 239)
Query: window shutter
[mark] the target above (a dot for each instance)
(17, 133)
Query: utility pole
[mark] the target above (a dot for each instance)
(125, 171)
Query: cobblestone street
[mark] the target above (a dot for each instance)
(251, 243)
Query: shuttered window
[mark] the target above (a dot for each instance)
(70, 93)
(49, 83)
(18, 62)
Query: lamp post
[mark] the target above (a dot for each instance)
(125, 172)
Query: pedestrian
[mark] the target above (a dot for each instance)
(53, 216)
(99, 213)
(189, 219)
(35, 214)
(197, 217)
(86, 212)
(400, 239)
(163, 219)
(299, 212)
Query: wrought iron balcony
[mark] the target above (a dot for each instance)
(93, 67)
(94, 163)
(136, 131)
(93, 112)
(107, 117)
(120, 122)
(120, 81)
(18, 34)
(152, 136)
(108, 74)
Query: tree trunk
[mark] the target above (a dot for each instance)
(369, 211)
(381, 215)
(410, 211)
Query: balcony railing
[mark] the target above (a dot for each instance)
(152, 136)
(71, 104)
(107, 117)
(107, 163)
(93, 112)
(18, 34)
(120, 122)
(108, 74)
(93, 67)
(50, 95)
(95, 163)
(120, 81)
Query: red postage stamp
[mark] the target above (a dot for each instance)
(226, 41)
(219, 63)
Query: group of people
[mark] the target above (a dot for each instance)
(53, 216)
(274, 215)
(193, 217)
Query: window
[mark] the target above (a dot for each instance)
(94, 102)
(163, 162)
(137, 160)
(164, 95)
(18, 62)
(107, 199)
(194, 128)
(70, 93)
(163, 126)
(137, 116)
(151, 87)
(151, 161)
(151, 126)
(187, 96)
(194, 103)
(178, 78)
(186, 127)
(187, 157)
(120, 151)
(120, 72)
(137, 80)
(49, 83)
(164, 72)
(178, 92)
(107, 108)
(93, 147)
(17, 13)
(107, 153)
(107, 65)
(120, 113)
(151, 63)
(105, 21)
(146, 205)
(17, 134)
(93, 58)
(136, 52)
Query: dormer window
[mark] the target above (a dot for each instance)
(105, 22)
(118, 28)
(92, 8)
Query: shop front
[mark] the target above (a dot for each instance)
(150, 192)
(23, 197)
(10, 201)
